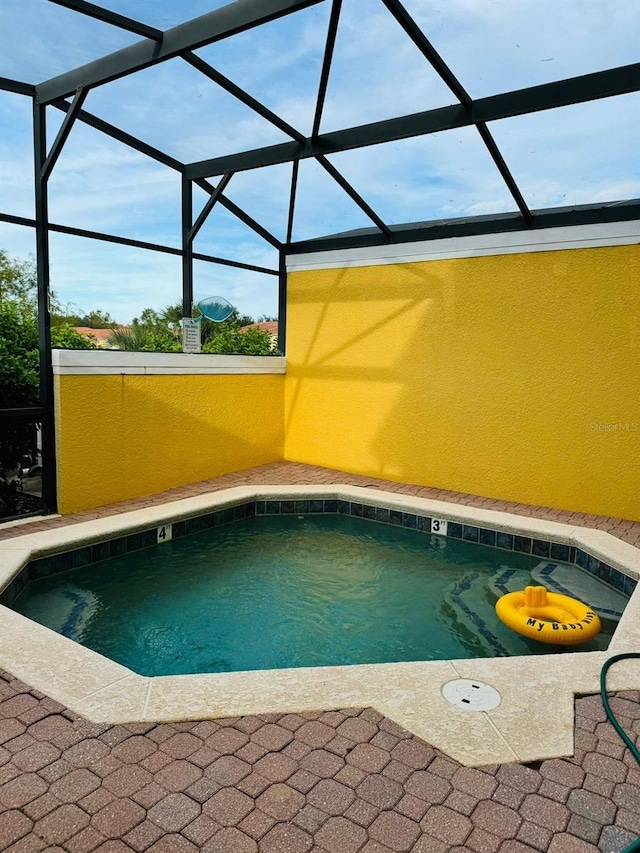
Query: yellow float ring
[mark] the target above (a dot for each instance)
(548, 616)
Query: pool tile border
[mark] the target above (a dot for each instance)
(409, 693)
(64, 561)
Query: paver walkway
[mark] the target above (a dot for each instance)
(337, 781)
(347, 781)
(298, 474)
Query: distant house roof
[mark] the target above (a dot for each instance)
(98, 334)
(270, 326)
(101, 336)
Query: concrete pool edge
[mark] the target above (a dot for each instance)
(520, 729)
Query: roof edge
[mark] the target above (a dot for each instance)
(438, 229)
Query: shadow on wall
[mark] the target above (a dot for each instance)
(124, 436)
(349, 331)
(352, 333)
(488, 375)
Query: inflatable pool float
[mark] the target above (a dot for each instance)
(548, 616)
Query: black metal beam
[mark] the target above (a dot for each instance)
(206, 210)
(33, 413)
(274, 119)
(63, 133)
(49, 487)
(588, 87)
(219, 24)
(121, 136)
(154, 247)
(282, 303)
(437, 62)
(620, 211)
(561, 93)
(241, 95)
(270, 155)
(161, 157)
(112, 238)
(270, 116)
(507, 177)
(292, 199)
(187, 247)
(353, 194)
(332, 32)
(428, 51)
(17, 86)
(240, 265)
(109, 17)
(241, 214)
(17, 220)
(617, 211)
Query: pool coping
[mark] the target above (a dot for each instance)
(519, 730)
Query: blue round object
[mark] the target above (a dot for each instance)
(216, 308)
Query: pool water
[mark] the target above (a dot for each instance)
(286, 591)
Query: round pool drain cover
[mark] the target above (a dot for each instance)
(470, 695)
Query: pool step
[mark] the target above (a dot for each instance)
(468, 598)
(68, 609)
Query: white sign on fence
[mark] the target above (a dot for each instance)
(190, 335)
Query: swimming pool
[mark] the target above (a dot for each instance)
(519, 729)
(288, 590)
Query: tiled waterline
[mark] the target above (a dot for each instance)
(409, 693)
(299, 474)
(491, 537)
(73, 559)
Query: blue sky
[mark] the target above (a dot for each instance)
(575, 155)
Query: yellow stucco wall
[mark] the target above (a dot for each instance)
(123, 436)
(511, 376)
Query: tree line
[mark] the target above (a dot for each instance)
(159, 331)
(19, 373)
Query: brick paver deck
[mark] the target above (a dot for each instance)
(336, 781)
(339, 781)
(297, 474)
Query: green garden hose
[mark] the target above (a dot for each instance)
(634, 847)
(603, 693)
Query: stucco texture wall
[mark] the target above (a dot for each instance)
(123, 436)
(512, 376)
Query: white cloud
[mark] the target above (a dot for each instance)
(39, 40)
(16, 159)
(377, 72)
(437, 176)
(180, 111)
(164, 15)
(251, 293)
(18, 241)
(116, 191)
(578, 154)
(500, 45)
